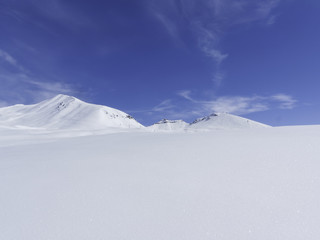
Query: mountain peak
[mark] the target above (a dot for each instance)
(225, 121)
(169, 125)
(63, 98)
(164, 121)
(66, 112)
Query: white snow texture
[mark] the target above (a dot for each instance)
(104, 176)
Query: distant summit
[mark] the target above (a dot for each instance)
(224, 121)
(211, 122)
(66, 112)
(169, 125)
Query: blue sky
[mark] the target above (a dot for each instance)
(175, 59)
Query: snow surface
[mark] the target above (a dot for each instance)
(65, 112)
(136, 185)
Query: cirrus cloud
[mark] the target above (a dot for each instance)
(239, 105)
(210, 21)
(27, 87)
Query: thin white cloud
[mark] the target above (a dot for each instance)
(7, 57)
(194, 108)
(28, 89)
(165, 105)
(185, 94)
(287, 102)
(271, 20)
(208, 40)
(60, 12)
(265, 7)
(19, 86)
(238, 104)
(54, 87)
(215, 54)
(244, 105)
(218, 77)
(210, 21)
(168, 25)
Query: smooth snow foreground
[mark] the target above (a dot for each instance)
(224, 184)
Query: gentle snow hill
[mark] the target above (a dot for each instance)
(169, 125)
(224, 121)
(66, 112)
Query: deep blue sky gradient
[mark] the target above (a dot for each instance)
(166, 59)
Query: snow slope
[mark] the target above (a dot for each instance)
(211, 122)
(169, 125)
(219, 185)
(65, 112)
(224, 121)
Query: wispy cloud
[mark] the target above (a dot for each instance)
(189, 107)
(165, 105)
(7, 58)
(237, 105)
(168, 25)
(210, 21)
(59, 11)
(10, 60)
(54, 87)
(186, 94)
(215, 54)
(287, 102)
(240, 104)
(27, 87)
(264, 9)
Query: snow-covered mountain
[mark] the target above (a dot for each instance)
(224, 121)
(169, 125)
(211, 122)
(66, 112)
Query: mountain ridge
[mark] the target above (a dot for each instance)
(225, 121)
(68, 112)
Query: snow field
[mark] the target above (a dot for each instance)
(224, 184)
